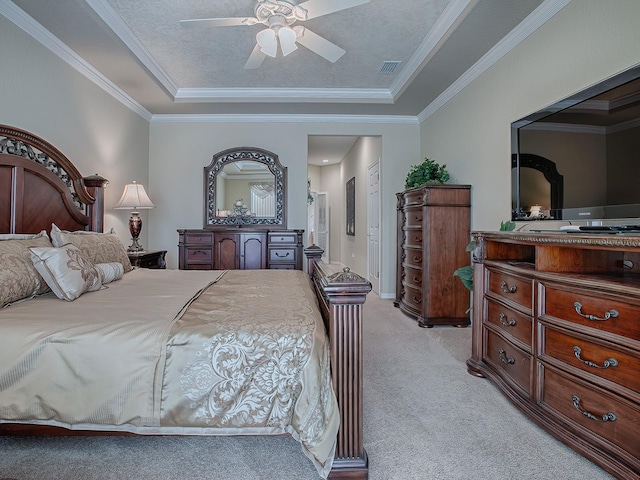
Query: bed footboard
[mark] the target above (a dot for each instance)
(342, 296)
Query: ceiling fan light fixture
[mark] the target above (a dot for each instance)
(287, 40)
(268, 43)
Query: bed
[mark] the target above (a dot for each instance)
(91, 346)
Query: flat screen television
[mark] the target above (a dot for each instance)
(579, 159)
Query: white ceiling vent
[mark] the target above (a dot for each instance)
(389, 68)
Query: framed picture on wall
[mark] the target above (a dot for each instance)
(351, 206)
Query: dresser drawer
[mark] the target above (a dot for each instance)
(413, 258)
(198, 238)
(592, 410)
(413, 297)
(413, 277)
(511, 288)
(199, 266)
(280, 238)
(287, 255)
(282, 266)
(605, 362)
(414, 198)
(508, 360)
(582, 307)
(510, 322)
(413, 216)
(413, 238)
(198, 255)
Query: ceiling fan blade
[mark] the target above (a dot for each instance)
(317, 8)
(255, 59)
(320, 45)
(219, 22)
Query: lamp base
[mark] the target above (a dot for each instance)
(135, 227)
(135, 247)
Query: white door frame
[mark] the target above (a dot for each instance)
(373, 226)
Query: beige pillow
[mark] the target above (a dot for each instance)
(19, 279)
(95, 247)
(110, 272)
(66, 271)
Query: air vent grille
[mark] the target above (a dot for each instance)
(389, 68)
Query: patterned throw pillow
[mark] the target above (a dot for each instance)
(66, 271)
(18, 277)
(95, 247)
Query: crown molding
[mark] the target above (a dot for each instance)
(452, 16)
(529, 25)
(360, 119)
(311, 95)
(122, 30)
(32, 28)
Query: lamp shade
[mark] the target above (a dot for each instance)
(134, 197)
(287, 37)
(268, 43)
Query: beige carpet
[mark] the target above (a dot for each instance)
(425, 418)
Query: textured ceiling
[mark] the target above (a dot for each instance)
(142, 49)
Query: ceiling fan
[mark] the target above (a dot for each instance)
(279, 17)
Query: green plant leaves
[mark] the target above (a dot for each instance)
(426, 172)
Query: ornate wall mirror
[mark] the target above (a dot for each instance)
(245, 187)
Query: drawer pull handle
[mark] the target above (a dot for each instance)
(611, 313)
(504, 323)
(417, 300)
(199, 252)
(607, 417)
(417, 279)
(282, 256)
(612, 362)
(417, 259)
(505, 359)
(511, 289)
(417, 239)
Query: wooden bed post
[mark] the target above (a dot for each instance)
(343, 295)
(95, 186)
(346, 293)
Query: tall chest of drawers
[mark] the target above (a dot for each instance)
(556, 326)
(433, 232)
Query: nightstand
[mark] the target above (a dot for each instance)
(148, 259)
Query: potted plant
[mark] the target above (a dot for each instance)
(426, 172)
(465, 274)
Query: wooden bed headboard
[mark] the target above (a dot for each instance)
(39, 185)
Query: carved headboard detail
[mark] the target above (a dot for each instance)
(39, 185)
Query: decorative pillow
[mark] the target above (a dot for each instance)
(22, 236)
(110, 272)
(19, 279)
(66, 271)
(95, 247)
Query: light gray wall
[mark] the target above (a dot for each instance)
(42, 94)
(364, 152)
(585, 42)
(175, 171)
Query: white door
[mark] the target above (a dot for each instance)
(321, 230)
(373, 227)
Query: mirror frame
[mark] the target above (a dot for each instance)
(218, 162)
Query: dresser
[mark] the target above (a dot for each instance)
(239, 248)
(433, 233)
(556, 326)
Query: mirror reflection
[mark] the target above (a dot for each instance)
(245, 188)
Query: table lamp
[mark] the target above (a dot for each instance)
(135, 198)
